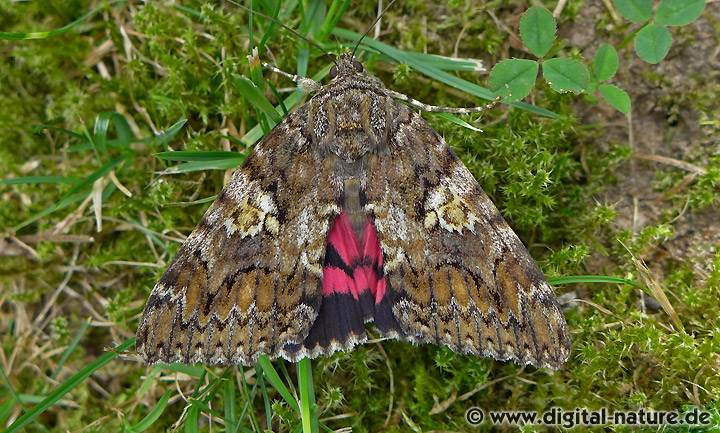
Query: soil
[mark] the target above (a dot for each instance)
(666, 123)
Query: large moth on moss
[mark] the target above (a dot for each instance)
(351, 210)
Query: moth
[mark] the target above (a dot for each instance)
(351, 210)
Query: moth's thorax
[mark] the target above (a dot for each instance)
(349, 117)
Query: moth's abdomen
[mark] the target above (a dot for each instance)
(353, 264)
(354, 290)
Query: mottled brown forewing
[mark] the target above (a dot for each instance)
(460, 276)
(246, 281)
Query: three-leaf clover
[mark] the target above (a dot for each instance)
(513, 79)
(652, 42)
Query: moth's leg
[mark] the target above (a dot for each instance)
(436, 109)
(307, 85)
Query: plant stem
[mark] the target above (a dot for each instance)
(308, 409)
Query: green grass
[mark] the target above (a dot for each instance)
(159, 101)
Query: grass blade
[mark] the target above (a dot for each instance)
(167, 135)
(229, 405)
(249, 397)
(574, 279)
(256, 133)
(447, 63)
(271, 28)
(34, 399)
(36, 180)
(148, 381)
(124, 136)
(196, 371)
(266, 400)
(191, 420)
(68, 385)
(218, 164)
(37, 129)
(308, 408)
(154, 414)
(71, 348)
(273, 377)
(102, 125)
(255, 97)
(192, 203)
(6, 410)
(458, 121)
(189, 11)
(435, 73)
(77, 193)
(197, 156)
(15, 396)
(337, 9)
(20, 36)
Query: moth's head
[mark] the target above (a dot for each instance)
(346, 65)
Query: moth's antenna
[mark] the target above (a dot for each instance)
(286, 27)
(380, 15)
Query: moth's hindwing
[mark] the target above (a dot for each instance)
(247, 281)
(457, 275)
